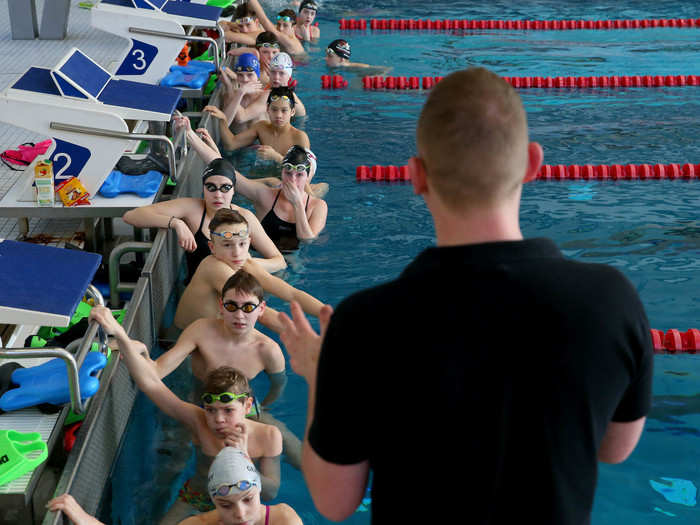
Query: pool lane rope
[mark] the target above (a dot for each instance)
(675, 341)
(558, 172)
(612, 81)
(537, 25)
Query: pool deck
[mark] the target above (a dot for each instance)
(17, 56)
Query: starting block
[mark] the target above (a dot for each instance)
(83, 108)
(156, 31)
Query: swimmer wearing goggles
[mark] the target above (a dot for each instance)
(299, 169)
(229, 236)
(224, 397)
(246, 308)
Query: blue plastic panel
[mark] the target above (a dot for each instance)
(67, 89)
(122, 3)
(44, 278)
(201, 11)
(85, 73)
(127, 94)
(38, 80)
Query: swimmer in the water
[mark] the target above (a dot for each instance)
(230, 339)
(290, 214)
(220, 422)
(190, 217)
(245, 21)
(303, 28)
(281, 69)
(338, 55)
(283, 29)
(234, 487)
(242, 88)
(233, 484)
(264, 45)
(275, 136)
(229, 247)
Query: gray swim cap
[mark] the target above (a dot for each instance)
(232, 472)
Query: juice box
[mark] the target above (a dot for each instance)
(43, 180)
(72, 192)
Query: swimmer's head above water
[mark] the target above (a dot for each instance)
(230, 239)
(246, 64)
(234, 486)
(281, 69)
(337, 51)
(219, 182)
(226, 399)
(267, 45)
(242, 302)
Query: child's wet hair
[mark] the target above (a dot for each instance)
(244, 282)
(226, 379)
(226, 216)
(279, 92)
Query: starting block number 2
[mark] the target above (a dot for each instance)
(138, 59)
(68, 160)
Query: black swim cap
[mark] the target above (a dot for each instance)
(340, 47)
(308, 4)
(297, 155)
(220, 167)
(284, 92)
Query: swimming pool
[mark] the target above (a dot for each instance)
(649, 230)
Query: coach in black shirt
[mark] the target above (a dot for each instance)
(504, 371)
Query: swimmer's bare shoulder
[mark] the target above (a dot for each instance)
(270, 352)
(266, 438)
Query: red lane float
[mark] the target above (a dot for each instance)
(538, 25)
(333, 82)
(676, 341)
(378, 82)
(558, 172)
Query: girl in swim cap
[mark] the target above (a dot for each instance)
(290, 214)
(338, 55)
(234, 487)
(304, 30)
(190, 217)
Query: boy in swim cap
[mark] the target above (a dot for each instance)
(234, 487)
(275, 136)
(281, 68)
(248, 90)
(338, 55)
(229, 253)
(303, 28)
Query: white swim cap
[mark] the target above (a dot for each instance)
(231, 472)
(282, 61)
(312, 161)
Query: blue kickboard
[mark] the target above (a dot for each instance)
(143, 185)
(182, 79)
(48, 383)
(137, 95)
(201, 11)
(194, 66)
(43, 278)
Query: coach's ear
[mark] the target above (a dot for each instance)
(416, 170)
(534, 162)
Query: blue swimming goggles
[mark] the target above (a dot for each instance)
(242, 485)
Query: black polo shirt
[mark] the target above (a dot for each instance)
(480, 383)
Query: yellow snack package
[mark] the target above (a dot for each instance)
(72, 192)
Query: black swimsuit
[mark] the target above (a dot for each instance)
(200, 252)
(282, 233)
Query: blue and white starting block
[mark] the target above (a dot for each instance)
(79, 93)
(156, 31)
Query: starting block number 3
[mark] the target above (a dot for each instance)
(138, 59)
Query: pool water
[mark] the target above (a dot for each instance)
(649, 230)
